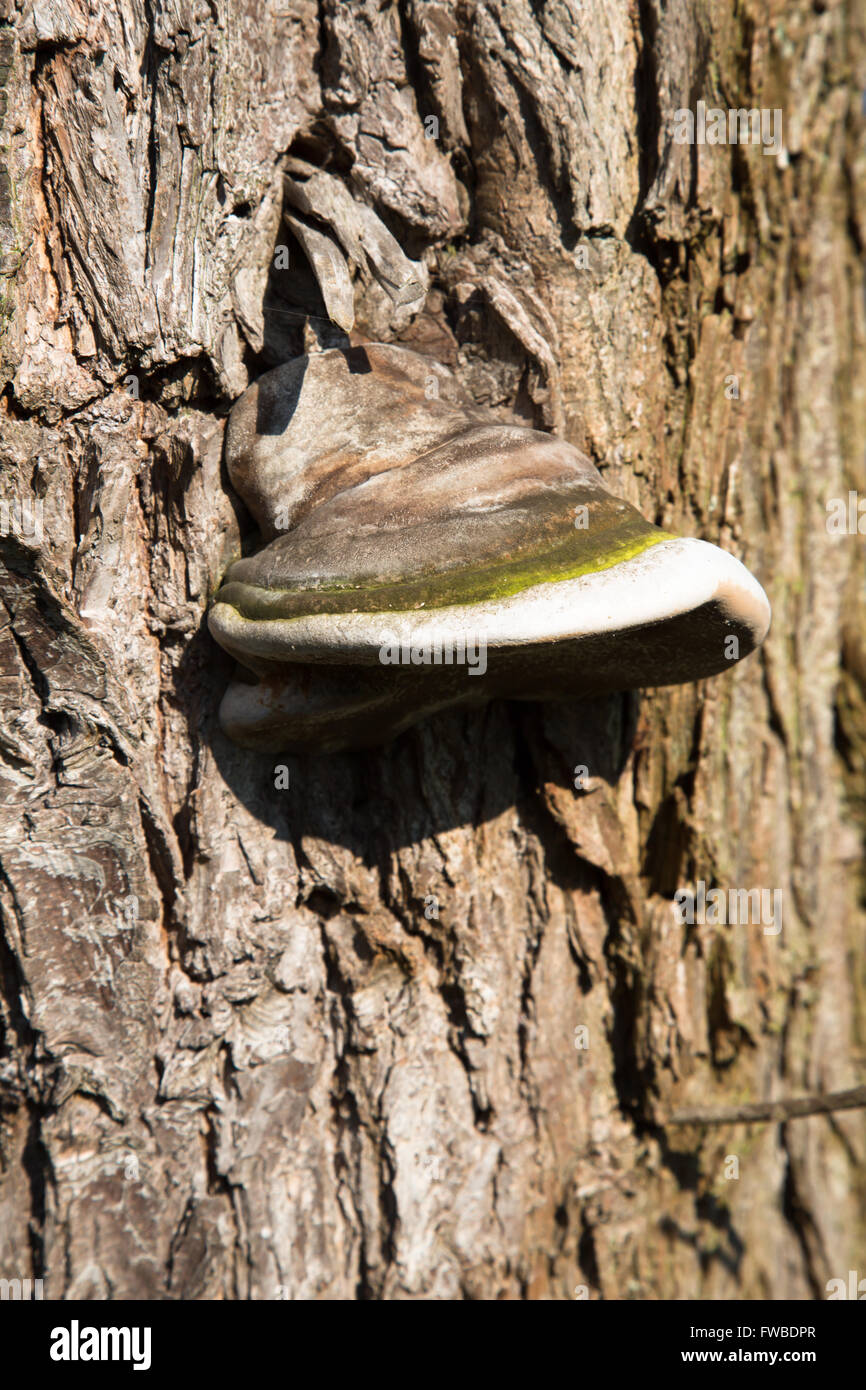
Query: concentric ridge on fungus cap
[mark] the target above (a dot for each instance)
(392, 506)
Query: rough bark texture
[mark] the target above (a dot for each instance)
(320, 1042)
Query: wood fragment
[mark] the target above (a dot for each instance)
(362, 234)
(513, 315)
(329, 267)
(317, 194)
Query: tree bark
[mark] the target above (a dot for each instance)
(324, 1042)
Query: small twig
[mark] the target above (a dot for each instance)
(773, 1110)
(296, 314)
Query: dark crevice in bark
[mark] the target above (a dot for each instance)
(527, 1015)
(155, 385)
(647, 99)
(54, 720)
(178, 1237)
(67, 295)
(12, 410)
(571, 872)
(587, 1257)
(320, 55)
(151, 63)
(436, 947)
(727, 1038)
(416, 72)
(346, 1115)
(557, 188)
(37, 1165)
(13, 989)
(217, 1182)
(348, 1132)
(454, 998)
(683, 1163)
(641, 234)
(387, 1206)
(707, 1258)
(799, 1216)
(632, 1082)
(161, 862)
(666, 840)
(717, 1214)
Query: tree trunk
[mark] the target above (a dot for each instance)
(415, 1026)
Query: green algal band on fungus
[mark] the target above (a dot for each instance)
(443, 590)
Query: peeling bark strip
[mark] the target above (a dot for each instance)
(399, 1024)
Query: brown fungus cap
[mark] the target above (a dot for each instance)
(415, 540)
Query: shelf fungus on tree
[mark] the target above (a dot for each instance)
(420, 553)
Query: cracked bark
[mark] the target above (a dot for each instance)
(320, 1042)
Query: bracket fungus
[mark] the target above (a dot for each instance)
(414, 541)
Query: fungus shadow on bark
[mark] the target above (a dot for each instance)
(460, 767)
(275, 418)
(275, 408)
